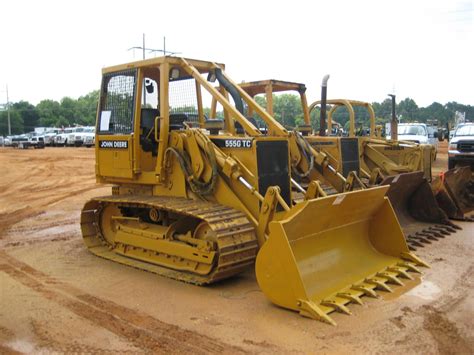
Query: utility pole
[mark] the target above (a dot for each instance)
(8, 115)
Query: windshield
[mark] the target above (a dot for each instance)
(79, 129)
(412, 130)
(467, 130)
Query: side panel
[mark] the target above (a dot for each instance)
(115, 156)
(350, 155)
(273, 167)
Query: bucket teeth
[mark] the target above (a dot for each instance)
(401, 272)
(441, 231)
(424, 237)
(390, 277)
(413, 242)
(410, 267)
(453, 225)
(350, 297)
(446, 227)
(311, 310)
(433, 235)
(366, 290)
(379, 284)
(413, 258)
(337, 306)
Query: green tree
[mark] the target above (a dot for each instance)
(435, 112)
(16, 122)
(50, 114)
(408, 109)
(287, 110)
(28, 113)
(87, 108)
(69, 111)
(383, 109)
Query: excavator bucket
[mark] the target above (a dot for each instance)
(354, 247)
(454, 191)
(417, 210)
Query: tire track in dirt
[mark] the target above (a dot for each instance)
(47, 343)
(11, 218)
(140, 329)
(445, 332)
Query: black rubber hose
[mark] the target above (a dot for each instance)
(239, 105)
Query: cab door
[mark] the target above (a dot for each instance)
(115, 119)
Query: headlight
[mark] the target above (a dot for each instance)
(453, 146)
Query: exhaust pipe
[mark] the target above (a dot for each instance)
(394, 122)
(322, 119)
(231, 90)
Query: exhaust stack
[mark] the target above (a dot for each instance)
(322, 119)
(394, 122)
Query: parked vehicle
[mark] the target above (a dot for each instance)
(60, 140)
(37, 142)
(419, 133)
(89, 137)
(49, 136)
(75, 138)
(461, 146)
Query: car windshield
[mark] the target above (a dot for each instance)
(412, 130)
(79, 129)
(467, 130)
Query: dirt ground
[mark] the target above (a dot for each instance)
(57, 297)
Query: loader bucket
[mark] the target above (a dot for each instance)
(455, 192)
(325, 253)
(417, 210)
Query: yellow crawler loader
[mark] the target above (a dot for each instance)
(386, 158)
(200, 200)
(405, 172)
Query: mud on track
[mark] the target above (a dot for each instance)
(57, 297)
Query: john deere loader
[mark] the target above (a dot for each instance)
(200, 200)
(385, 158)
(406, 166)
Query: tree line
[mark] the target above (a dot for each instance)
(288, 111)
(25, 116)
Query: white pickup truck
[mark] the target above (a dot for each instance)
(75, 138)
(461, 146)
(60, 140)
(89, 137)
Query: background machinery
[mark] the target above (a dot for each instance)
(202, 204)
(404, 166)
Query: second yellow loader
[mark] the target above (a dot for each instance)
(410, 193)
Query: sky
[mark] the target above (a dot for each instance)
(419, 49)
